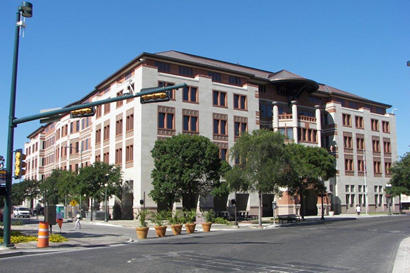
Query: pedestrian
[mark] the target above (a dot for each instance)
(77, 221)
(358, 209)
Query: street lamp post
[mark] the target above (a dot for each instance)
(25, 10)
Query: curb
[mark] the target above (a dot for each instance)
(402, 261)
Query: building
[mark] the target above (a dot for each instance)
(221, 101)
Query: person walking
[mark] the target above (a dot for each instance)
(358, 209)
(77, 221)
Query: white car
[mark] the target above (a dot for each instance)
(21, 212)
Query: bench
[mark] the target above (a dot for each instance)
(289, 218)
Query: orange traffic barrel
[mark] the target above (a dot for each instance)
(42, 234)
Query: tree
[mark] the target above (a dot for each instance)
(400, 181)
(185, 167)
(261, 164)
(309, 167)
(92, 181)
(58, 186)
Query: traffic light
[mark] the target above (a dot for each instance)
(156, 97)
(83, 112)
(19, 163)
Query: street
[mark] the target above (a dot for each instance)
(364, 245)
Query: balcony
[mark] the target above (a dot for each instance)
(306, 118)
(285, 116)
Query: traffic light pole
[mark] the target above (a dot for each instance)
(10, 139)
(13, 122)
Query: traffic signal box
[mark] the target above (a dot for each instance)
(83, 112)
(156, 97)
(19, 163)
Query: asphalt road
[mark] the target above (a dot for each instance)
(365, 245)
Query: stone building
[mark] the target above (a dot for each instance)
(223, 100)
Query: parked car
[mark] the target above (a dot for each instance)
(21, 212)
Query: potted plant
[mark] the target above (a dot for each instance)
(190, 217)
(209, 219)
(142, 229)
(176, 222)
(159, 219)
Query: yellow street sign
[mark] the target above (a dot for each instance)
(73, 203)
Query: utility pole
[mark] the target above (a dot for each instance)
(25, 10)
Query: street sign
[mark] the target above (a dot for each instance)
(73, 203)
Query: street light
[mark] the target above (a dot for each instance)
(25, 10)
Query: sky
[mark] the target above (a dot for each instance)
(69, 47)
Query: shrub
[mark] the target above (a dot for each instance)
(209, 216)
(176, 219)
(57, 238)
(141, 216)
(220, 220)
(190, 216)
(160, 217)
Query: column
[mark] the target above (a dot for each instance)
(275, 119)
(318, 125)
(295, 120)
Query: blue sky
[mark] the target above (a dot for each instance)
(71, 46)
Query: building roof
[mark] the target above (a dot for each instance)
(177, 56)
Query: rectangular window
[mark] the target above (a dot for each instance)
(106, 132)
(240, 128)
(349, 165)
(385, 127)
(165, 84)
(220, 127)
(129, 154)
(360, 143)
(360, 165)
(222, 153)
(118, 127)
(166, 120)
(348, 142)
(130, 122)
(118, 156)
(235, 80)
(376, 146)
(98, 111)
(97, 135)
(119, 103)
(185, 71)
(347, 120)
(130, 90)
(163, 67)
(190, 94)
(375, 124)
(239, 102)
(386, 147)
(107, 107)
(216, 77)
(359, 122)
(106, 157)
(376, 167)
(190, 124)
(387, 166)
(219, 98)
(77, 125)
